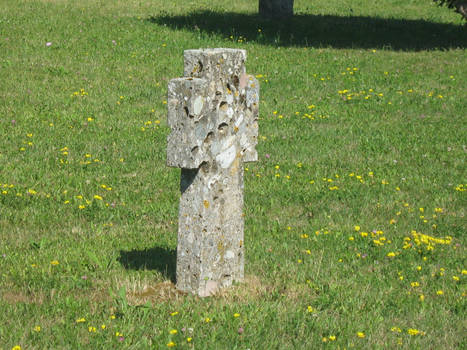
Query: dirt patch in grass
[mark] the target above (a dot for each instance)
(14, 297)
(252, 288)
(160, 292)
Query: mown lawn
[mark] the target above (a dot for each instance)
(354, 214)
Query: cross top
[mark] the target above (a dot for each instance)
(213, 110)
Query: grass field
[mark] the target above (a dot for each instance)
(354, 214)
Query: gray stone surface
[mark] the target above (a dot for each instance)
(212, 114)
(276, 9)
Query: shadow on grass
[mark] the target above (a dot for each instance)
(306, 30)
(160, 259)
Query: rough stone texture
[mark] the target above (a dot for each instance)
(212, 113)
(276, 8)
(461, 7)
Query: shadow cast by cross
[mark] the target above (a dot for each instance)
(306, 30)
(187, 178)
(157, 258)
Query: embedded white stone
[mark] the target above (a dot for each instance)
(198, 105)
(239, 121)
(226, 157)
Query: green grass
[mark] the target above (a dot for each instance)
(83, 123)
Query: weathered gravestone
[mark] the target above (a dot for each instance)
(276, 9)
(212, 113)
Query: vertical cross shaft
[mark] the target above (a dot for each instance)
(212, 113)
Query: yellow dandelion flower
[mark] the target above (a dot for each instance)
(171, 344)
(361, 334)
(357, 228)
(54, 262)
(81, 320)
(37, 328)
(173, 331)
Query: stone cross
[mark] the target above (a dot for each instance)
(213, 117)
